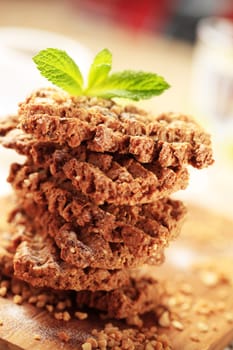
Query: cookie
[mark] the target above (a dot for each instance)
(140, 295)
(110, 237)
(37, 262)
(51, 115)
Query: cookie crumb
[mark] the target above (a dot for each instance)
(202, 327)
(66, 316)
(229, 317)
(81, 315)
(58, 316)
(40, 304)
(18, 299)
(61, 306)
(204, 307)
(194, 337)
(134, 320)
(50, 308)
(149, 346)
(93, 342)
(5, 283)
(63, 336)
(186, 289)
(113, 337)
(86, 346)
(37, 337)
(177, 325)
(32, 299)
(209, 278)
(3, 291)
(164, 320)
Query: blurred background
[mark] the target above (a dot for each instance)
(189, 42)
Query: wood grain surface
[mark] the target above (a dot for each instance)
(210, 301)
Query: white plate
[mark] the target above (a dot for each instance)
(28, 41)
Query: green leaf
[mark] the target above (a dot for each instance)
(59, 68)
(100, 68)
(130, 84)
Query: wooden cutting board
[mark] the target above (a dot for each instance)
(208, 288)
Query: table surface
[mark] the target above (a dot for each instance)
(209, 301)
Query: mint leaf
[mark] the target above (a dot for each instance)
(59, 68)
(130, 84)
(100, 68)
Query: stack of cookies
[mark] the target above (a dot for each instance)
(91, 203)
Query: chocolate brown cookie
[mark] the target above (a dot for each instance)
(125, 181)
(110, 237)
(83, 249)
(51, 115)
(37, 262)
(8, 124)
(107, 178)
(129, 247)
(139, 296)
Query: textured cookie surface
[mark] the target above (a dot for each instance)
(111, 154)
(107, 127)
(105, 178)
(110, 237)
(37, 261)
(139, 296)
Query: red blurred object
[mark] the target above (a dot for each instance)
(136, 14)
(141, 14)
(229, 15)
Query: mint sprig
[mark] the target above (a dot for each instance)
(60, 69)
